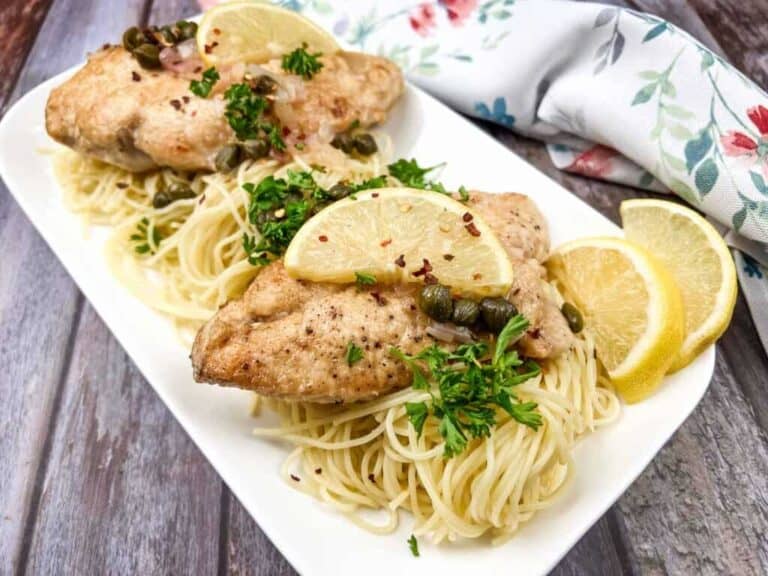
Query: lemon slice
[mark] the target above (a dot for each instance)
(631, 304)
(391, 232)
(697, 257)
(255, 32)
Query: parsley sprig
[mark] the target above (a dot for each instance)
(245, 113)
(302, 63)
(204, 86)
(410, 174)
(469, 385)
(146, 238)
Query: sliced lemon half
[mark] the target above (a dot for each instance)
(255, 32)
(698, 258)
(631, 304)
(400, 235)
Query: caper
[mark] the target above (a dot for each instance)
(176, 191)
(340, 190)
(436, 302)
(573, 317)
(496, 312)
(264, 85)
(132, 38)
(465, 312)
(168, 36)
(186, 30)
(148, 56)
(364, 144)
(255, 149)
(227, 158)
(343, 142)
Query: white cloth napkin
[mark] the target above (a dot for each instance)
(616, 94)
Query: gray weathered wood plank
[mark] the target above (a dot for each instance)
(125, 491)
(741, 28)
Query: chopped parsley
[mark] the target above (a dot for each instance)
(411, 175)
(413, 544)
(245, 114)
(463, 194)
(354, 354)
(364, 279)
(203, 87)
(468, 385)
(146, 239)
(302, 63)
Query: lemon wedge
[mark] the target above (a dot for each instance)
(700, 262)
(255, 32)
(631, 304)
(399, 235)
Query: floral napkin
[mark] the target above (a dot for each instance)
(616, 94)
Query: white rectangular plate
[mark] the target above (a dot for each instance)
(315, 539)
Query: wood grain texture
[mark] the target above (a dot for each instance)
(125, 491)
(741, 28)
(19, 22)
(96, 477)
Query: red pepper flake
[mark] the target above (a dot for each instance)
(122, 185)
(323, 238)
(430, 278)
(198, 69)
(477, 276)
(135, 76)
(375, 195)
(216, 31)
(380, 300)
(318, 470)
(209, 47)
(372, 478)
(286, 131)
(467, 217)
(193, 113)
(176, 104)
(295, 478)
(386, 242)
(426, 268)
(400, 261)
(301, 137)
(202, 199)
(472, 229)
(185, 99)
(448, 257)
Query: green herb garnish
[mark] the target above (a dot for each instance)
(364, 279)
(302, 63)
(463, 194)
(354, 354)
(468, 385)
(413, 544)
(411, 175)
(245, 114)
(146, 238)
(203, 87)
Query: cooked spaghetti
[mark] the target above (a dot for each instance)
(369, 457)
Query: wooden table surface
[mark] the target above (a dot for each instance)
(97, 477)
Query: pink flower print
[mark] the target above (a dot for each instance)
(458, 10)
(597, 162)
(423, 19)
(742, 145)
